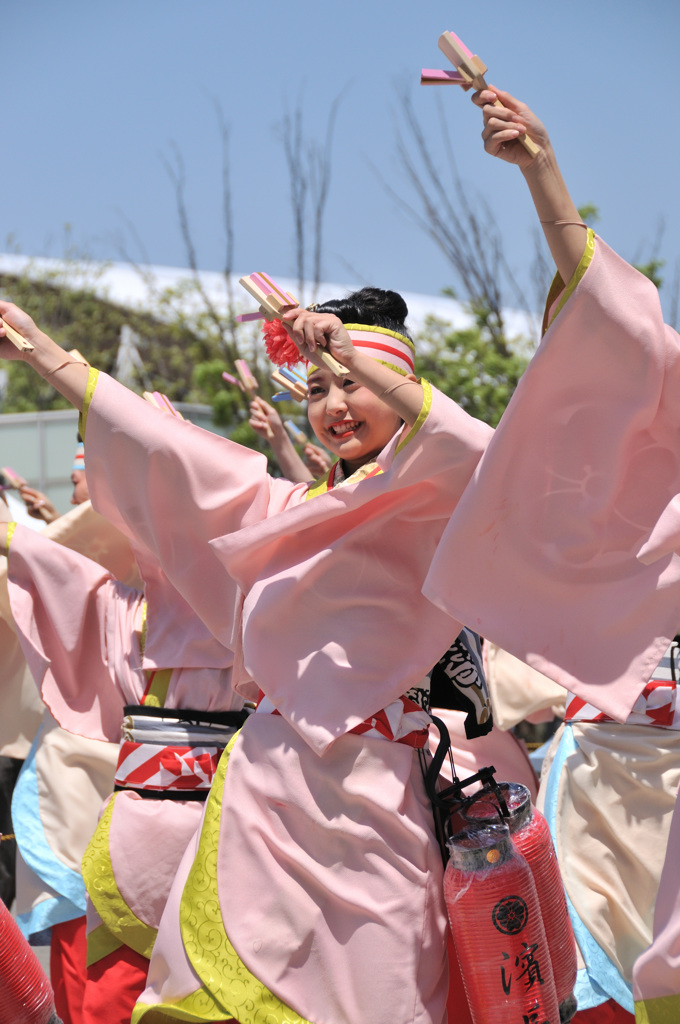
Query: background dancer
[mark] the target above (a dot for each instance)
(84, 636)
(321, 809)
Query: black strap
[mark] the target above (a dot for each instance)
(165, 794)
(448, 800)
(232, 719)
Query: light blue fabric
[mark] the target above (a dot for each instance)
(601, 979)
(39, 856)
(47, 913)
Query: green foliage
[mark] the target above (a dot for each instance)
(184, 346)
(470, 366)
(589, 213)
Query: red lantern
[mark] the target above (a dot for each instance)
(498, 930)
(531, 836)
(26, 996)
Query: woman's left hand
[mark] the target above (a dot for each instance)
(313, 331)
(505, 119)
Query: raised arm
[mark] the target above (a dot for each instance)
(563, 228)
(68, 375)
(265, 420)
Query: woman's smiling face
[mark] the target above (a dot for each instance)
(348, 418)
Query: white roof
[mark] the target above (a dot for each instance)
(129, 285)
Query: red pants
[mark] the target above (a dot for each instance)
(67, 969)
(607, 1013)
(114, 984)
(104, 993)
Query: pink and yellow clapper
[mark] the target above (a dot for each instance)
(470, 70)
(274, 302)
(245, 381)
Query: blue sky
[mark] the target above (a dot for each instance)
(96, 93)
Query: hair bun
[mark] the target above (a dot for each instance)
(376, 307)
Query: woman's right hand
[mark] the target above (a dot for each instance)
(316, 459)
(38, 504)
(264, 419)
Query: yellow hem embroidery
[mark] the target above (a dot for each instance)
(106, 897)
(100, 942)
(196, 1007)
(92, 378)
(558, 285)
(227, 987)
(662, 1010)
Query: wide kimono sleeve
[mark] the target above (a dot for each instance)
(563, 549)
(174, 487)
(335, 626)
(72, 619)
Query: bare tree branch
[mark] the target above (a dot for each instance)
(299, 183)
(320, 164)
(467, 235)
(228, 221)
(177, 176)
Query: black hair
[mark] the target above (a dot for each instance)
(374, 307)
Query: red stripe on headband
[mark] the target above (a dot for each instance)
(360, 343)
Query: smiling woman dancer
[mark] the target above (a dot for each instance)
(329, 887)
(324, 905)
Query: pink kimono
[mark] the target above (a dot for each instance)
(574, 514)
(80, 630)
(315, 889)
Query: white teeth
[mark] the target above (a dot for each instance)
(342, 428)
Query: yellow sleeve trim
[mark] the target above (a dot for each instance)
(11, 527)
(106, 897)
(558, 284)
(92, 378)
(422, 415)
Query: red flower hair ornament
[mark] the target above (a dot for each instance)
(280, 347)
